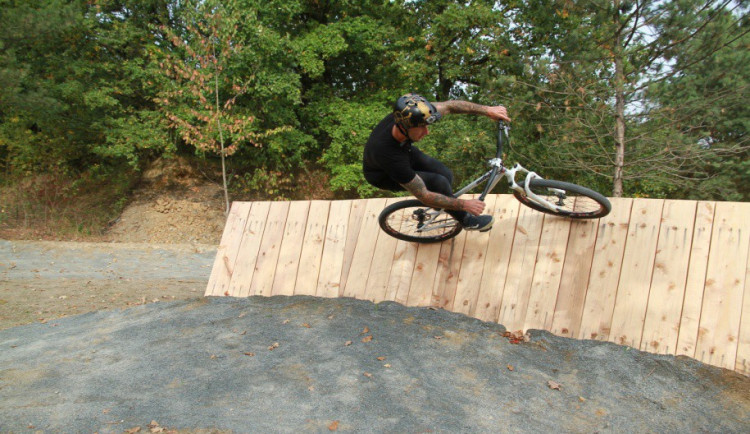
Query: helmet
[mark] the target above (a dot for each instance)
(412, 110)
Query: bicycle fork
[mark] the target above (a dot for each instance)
(525, 189)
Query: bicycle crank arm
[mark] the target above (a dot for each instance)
(435, 227)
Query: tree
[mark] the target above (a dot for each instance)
(346, 57)
(707, 107)
(591, 83)
(199, 98)
(75, 92)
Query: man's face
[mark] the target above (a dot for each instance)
(417, 133)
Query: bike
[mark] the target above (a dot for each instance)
(411, 220)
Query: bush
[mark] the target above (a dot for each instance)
(55, 206)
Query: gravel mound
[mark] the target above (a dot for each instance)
(298, 363)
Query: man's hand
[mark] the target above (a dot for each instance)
(473, 206)
(498, 113)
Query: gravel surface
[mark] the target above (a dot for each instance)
(304, 364)
(289, 364)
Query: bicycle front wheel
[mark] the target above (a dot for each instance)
(411, 220)
(569, 200)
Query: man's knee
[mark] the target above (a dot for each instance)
(437, 183)
(445, 184)
(449, 176)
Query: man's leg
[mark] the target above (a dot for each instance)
(383, 181)
(440, 184)
(433, 181)
(438, 178)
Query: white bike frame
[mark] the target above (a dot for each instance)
(497, 171)
(510, 176)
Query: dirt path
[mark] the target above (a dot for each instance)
(41, 281)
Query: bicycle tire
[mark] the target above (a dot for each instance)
(402, 220)
(587, 203)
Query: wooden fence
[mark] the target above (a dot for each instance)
(663, 276)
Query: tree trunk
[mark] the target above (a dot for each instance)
(619, 108)
(221, 140)
(619, 129)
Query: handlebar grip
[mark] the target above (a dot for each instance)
(501, 127)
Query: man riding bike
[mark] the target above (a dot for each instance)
(392, 162)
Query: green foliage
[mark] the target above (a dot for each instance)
(348, 124)
(73, 76)
(708, 103)
(598, 67)
(464, 144)
(115, 83)
(261, 184)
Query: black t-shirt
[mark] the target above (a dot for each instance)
(385, 155)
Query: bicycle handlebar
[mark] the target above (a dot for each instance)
(501, 128)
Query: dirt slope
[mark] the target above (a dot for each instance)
(174, 204)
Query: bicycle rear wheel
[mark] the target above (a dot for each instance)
(572, 200)
(411, 220)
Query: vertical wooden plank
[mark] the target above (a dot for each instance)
(402, 269)
(312, 248)
(446, 275)
(248, 253)
(423, 278)
(500, 246)
(696, 279)
(472, 265)
(571, 296)
(364, 250)
(665, 299)
(382, 261)
(637, 268)
(291, 248)
(223, 268)
(611, 238)
(356, 213)
(743, 348)
(427, 268)
(442, 299)
(725, 285)
(265, 265)
(548, 273)
(332, 262)
(521, 268)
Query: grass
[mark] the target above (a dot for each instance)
(55, 207)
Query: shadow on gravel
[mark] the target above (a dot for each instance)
(309, 364)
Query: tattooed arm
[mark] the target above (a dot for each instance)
(417, 187)
(465, 107)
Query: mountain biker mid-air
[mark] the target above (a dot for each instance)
(392, 162)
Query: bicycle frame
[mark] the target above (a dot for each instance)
(498, 170)
(492, 177)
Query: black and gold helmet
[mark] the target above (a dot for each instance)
(412, 110)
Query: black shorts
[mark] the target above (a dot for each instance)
(436, 175)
